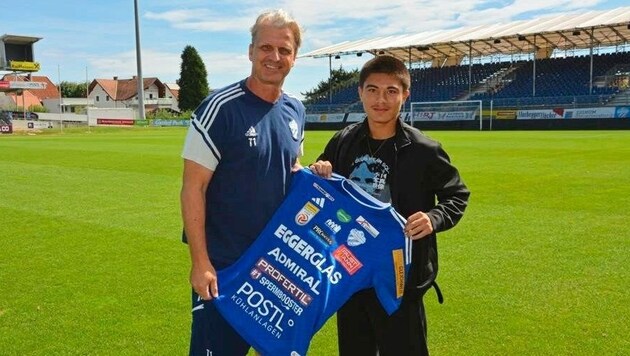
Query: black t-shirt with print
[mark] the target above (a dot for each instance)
(372, 168)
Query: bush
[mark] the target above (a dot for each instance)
(37, 108)
(168, 114)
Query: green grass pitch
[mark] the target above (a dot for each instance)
(91, 262)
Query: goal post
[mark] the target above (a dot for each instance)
(447, 111)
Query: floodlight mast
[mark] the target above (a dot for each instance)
(139, 64)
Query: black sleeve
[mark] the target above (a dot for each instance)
(451, 192)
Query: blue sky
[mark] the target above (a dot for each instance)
(98, 36)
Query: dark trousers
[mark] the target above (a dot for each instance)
(364, 328)
(211, 334)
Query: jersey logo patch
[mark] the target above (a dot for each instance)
(333, 226)
(343, 216)
(367, 226)
(293, 126)
(356, 238)
(323, 191)
(399, 271)
(251, 135)
(321, 234)
(306, 213)
(347, 259)
(319, 202)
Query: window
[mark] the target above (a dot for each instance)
(98, 98)
(107, 98)
(150, 96)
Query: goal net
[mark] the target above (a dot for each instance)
(447, 111)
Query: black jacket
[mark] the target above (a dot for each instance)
(422, 179)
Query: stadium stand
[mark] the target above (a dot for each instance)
(564, 81)
(558, 81)
(558, 67)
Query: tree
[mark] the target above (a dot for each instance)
(338, 78)
(73, 90)
(193, 81)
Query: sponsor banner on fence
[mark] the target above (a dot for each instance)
(170, 122)
(123, 122)
(405, 116)
(590, 113)
(355, 117)
(6, 129)
(443, 115)
(38, 125)
(622, 112)
(335, 117)
(557, 113)
(506, 114)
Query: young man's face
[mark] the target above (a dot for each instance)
(382, 96)
(272, 55)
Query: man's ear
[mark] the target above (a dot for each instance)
(251, 51)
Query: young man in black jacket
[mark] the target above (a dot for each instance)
(397, 164)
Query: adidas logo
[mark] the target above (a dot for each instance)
(319, 202)
(251, 132)
(251, 136)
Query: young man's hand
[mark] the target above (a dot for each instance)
(321, 168)
(418, 226)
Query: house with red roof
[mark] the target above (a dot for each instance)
(27, 98)
(123, 93)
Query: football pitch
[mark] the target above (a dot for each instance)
(91, 261)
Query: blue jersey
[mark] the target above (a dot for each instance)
(253, 145)
(328, 240)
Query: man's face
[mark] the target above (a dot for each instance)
(382, 96)
(272, 54)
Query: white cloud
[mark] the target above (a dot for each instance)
(223, 67)
(163, 65)
(202, 20)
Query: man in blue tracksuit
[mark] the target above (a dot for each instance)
(243, 142)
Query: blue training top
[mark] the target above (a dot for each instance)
(256, 143)
(328, 240)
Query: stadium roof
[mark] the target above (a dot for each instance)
(569, 31)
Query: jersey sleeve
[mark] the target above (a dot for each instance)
(196, 150)
(393, 267)
(207, 127)
(302, 120)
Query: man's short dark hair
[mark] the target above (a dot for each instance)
(386, 65)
